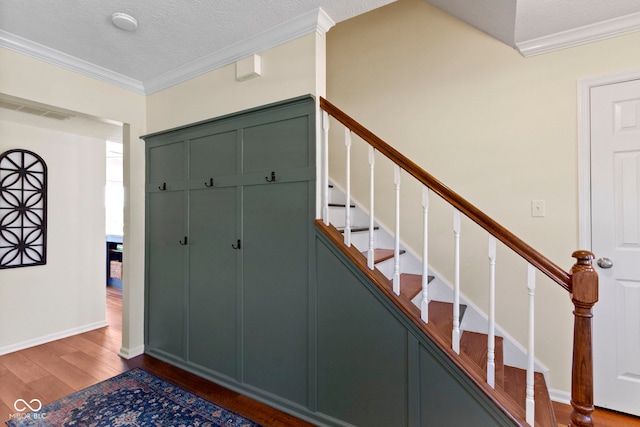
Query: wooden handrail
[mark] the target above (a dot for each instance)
(532, 256)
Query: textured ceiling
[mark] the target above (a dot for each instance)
(175, 37)
(170, 33)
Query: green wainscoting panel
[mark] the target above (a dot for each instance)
(446, 402)
(362, 350)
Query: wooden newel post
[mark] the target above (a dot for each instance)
(584, 294)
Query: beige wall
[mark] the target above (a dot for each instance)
(67, 294)
(498, 128)
(38, 81)
(288, 71)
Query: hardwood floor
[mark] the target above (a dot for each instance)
(601, 417)
(51, 371)
(54, 370)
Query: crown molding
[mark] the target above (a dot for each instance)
(61, 59)
(581, 35)
(315, 21)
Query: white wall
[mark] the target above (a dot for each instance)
(67, 295)
(24, 77)
(498, 128)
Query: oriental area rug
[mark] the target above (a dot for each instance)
(134, 398)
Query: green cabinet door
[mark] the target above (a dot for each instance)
(165, 271)
(275, 249)
(213, 277)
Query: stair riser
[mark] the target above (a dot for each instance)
(358, 218)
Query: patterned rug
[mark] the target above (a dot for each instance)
(134, 398)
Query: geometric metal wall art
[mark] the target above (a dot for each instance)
(23, 209)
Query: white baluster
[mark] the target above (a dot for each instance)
(396, 247)
(424, 304)
(455, 334)
(347, 210)
(370, 252)
(325, 167)
(491, 339)
(530, 402)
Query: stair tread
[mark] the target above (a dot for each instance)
(475, 345)
(515, 384)
(411, 284)
(340, 205)
(441, 316)
(357, 228)
(380, 255)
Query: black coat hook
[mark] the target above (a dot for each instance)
(163, 186)
(273, 177)
(236, 246)
(183, 243)
(210, 183)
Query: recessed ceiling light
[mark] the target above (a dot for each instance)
(124, 21)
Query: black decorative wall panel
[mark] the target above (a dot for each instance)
(23, 209)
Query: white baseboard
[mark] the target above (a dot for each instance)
(560, 396)
(130, 353)
(51, 337)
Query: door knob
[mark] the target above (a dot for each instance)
(605, 263)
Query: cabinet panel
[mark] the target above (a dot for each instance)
(166, 162)
(165, 293)
(276, 275)
(213, 155)
(279, 145)
(213, 294)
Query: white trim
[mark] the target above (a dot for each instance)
(581, 35)
(584, 148)
(130, 353)
(52, 337)
(61, 59)
(560, 396)
(314, 21)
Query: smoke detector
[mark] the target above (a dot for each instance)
(124, 21)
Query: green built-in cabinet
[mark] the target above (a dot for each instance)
(243, 289)
(230, 208)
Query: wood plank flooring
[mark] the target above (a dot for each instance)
(54, 370)
(51, 371)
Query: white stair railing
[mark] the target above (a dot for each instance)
(371, 249)
(455, 333)
(491, 336)
(325, 168)
(396, 243)
(530, 402)
(347, 210)
(424, 304)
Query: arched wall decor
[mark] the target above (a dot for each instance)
(23, 209)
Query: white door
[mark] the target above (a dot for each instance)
(615, 231)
